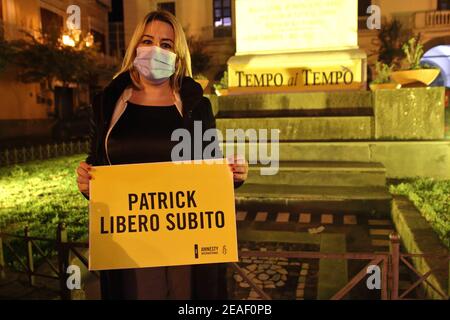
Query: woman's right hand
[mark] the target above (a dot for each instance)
(83, 177)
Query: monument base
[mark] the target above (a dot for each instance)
(297, 72)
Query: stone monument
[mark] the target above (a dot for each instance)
(296, 45)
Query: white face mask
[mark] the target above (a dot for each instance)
(154, 63)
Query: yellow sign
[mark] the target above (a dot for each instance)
(295, 72)
(161, 214)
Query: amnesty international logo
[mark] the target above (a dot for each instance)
(209, 250)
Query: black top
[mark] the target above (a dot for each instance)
(142, 134)
(208, 280)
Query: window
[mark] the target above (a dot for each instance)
(99, 39)
(168, 6)
(222, 18)
(362, 7)
(116, 39)
(52, 23)
(443, 4)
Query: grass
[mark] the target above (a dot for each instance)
(432, 198)
(41, 194)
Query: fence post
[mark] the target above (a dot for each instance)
(24, 154)
(30, 264)
(15, 156)
(6, 157)
(394, 249)
(2, 258)
(63, 260)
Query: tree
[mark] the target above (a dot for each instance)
(390, 40)
(200, 59)
(46, 59)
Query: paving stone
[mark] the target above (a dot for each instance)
(275, 267)
(283, 217)
(237, 277)
(304, 218)
(350, 219)
(380, 232)
(252, 267)
(261, 216)
(241, 215)
(276, 277)
(326, 218)
(280, 283)
(378, 222)
(263, 276)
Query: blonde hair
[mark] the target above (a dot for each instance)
(183, 60)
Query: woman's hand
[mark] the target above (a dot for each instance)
(239, 167)
(83, 177)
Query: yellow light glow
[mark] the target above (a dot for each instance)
(89, 40)
(68, 41)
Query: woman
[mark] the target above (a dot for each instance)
(133, 119)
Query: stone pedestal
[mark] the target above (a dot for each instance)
(301, 71)
(296, 45)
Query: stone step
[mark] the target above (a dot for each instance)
(303, 128)
(375, 201)
(295, 101)
(402, 159)
(307, 173)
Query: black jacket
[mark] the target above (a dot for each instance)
(208, 280)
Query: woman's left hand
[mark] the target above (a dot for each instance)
(239, 167)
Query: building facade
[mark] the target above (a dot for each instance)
(25, 111)
(213, 23)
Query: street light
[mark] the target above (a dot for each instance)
(71, 38)
(68, 41)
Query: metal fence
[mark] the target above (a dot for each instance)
(388, 262)
(60, 245)
(12, 156)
